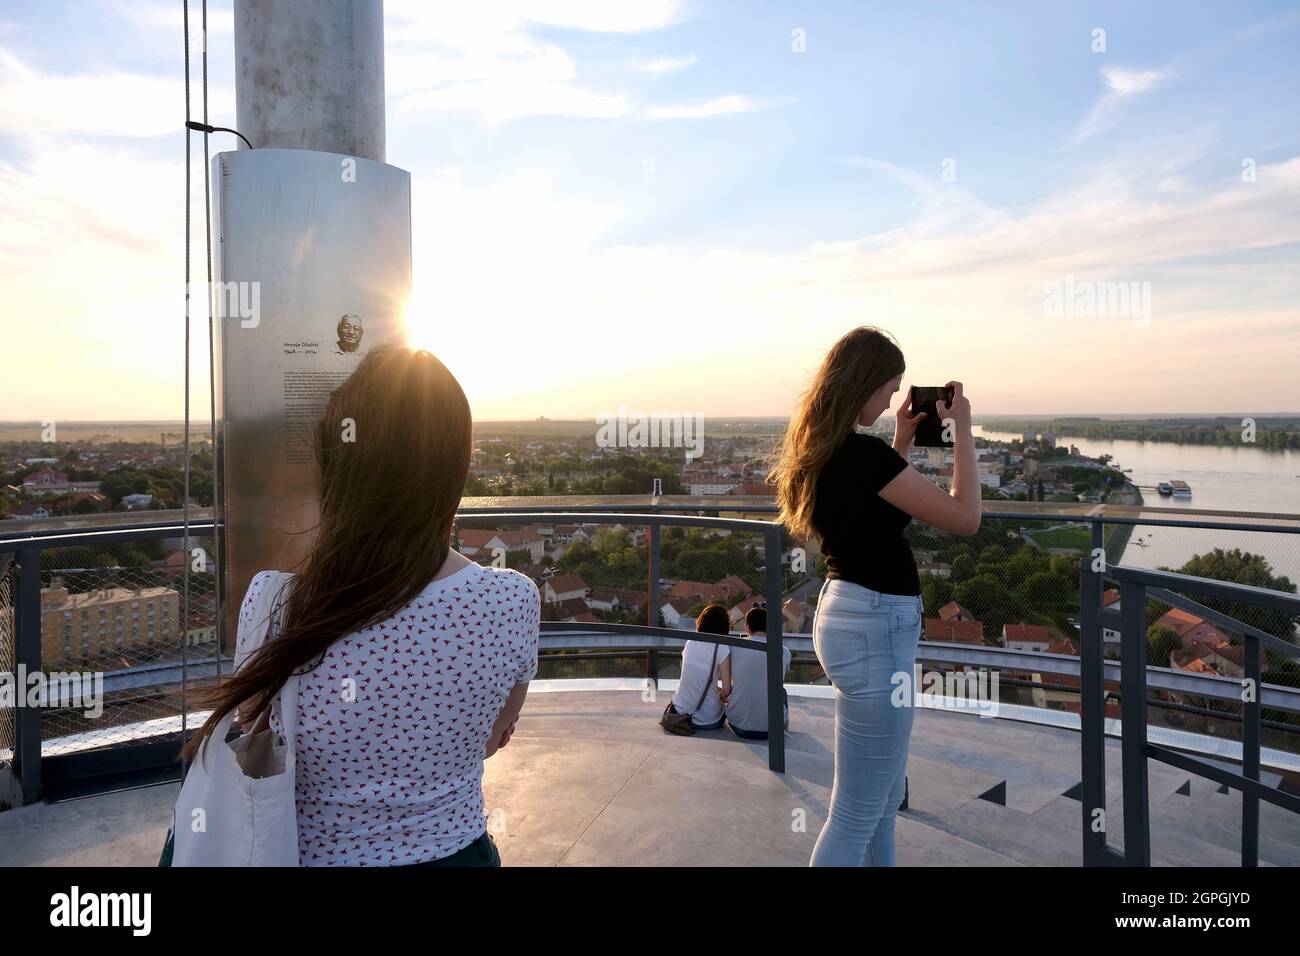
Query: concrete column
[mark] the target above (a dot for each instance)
(309, 74)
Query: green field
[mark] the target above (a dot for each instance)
(104, 432)
(1065, 537)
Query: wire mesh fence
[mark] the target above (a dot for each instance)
(700, 567)
(641, 664)
(8, 658)
(116, 610)
(1016, 584)
(118, 616)
(586, 572)
(590, 572)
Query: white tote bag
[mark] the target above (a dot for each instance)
(223, 816)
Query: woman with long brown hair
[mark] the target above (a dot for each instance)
(857, 494)
(703, 665)
(413, 660)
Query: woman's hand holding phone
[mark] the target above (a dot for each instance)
(958, 509)
(957, 411)
(905, 425)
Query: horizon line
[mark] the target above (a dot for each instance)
(37, 423)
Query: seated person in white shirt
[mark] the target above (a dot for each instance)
(746, 701)
(700, 667)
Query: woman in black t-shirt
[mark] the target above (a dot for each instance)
(857, 494)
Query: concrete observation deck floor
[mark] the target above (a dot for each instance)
(590, 779)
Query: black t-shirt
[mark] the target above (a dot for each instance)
(861, 533)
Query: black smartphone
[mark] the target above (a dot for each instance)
(929, 434)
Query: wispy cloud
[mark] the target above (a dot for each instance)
(664, 64)
(719, 106)
(1127, 82)
(542, 87)
(1108, 224)
(97, 250)
(1121, 84)
(593, 16)
(1282, 21)
(164, 17)
(93, 243)
(109, 103)
(486, 59)
(960, 282)
(945, 207)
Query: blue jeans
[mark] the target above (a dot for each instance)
(713, 726)
(863, 638)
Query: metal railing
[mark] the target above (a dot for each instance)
(772, 563)
(664, 556)
(8, 665)
(23, 778)
(1136, 587)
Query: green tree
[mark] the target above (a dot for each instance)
(936, 591)
(519, 558)
(963, 568)
(1161, 642)
(990, 601)
(1242, 567)
(609, 540)
(1022, 564)
(1048, 591)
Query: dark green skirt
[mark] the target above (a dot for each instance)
(482, 852)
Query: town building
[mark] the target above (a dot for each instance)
(94, 624)
(952, 611)
(1027, 637)
(1191, 629)
(617, 599)
(565, 587)
(955, 631)
(488, 540)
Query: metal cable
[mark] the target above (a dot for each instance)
(212, 352)
(185, 442)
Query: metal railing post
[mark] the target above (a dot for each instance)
(1092, 717)
(1133, 715)
(652, 585)
(775, 657)
(27, 656)
(1250, 741)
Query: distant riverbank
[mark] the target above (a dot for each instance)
(1267, 432)
(1242, 479)
(1226, 478)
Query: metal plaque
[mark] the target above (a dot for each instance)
(312, 270)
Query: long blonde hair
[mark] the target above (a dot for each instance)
(854, 369)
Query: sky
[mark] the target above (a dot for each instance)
(679, 205)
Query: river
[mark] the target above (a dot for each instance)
(1221, 478)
